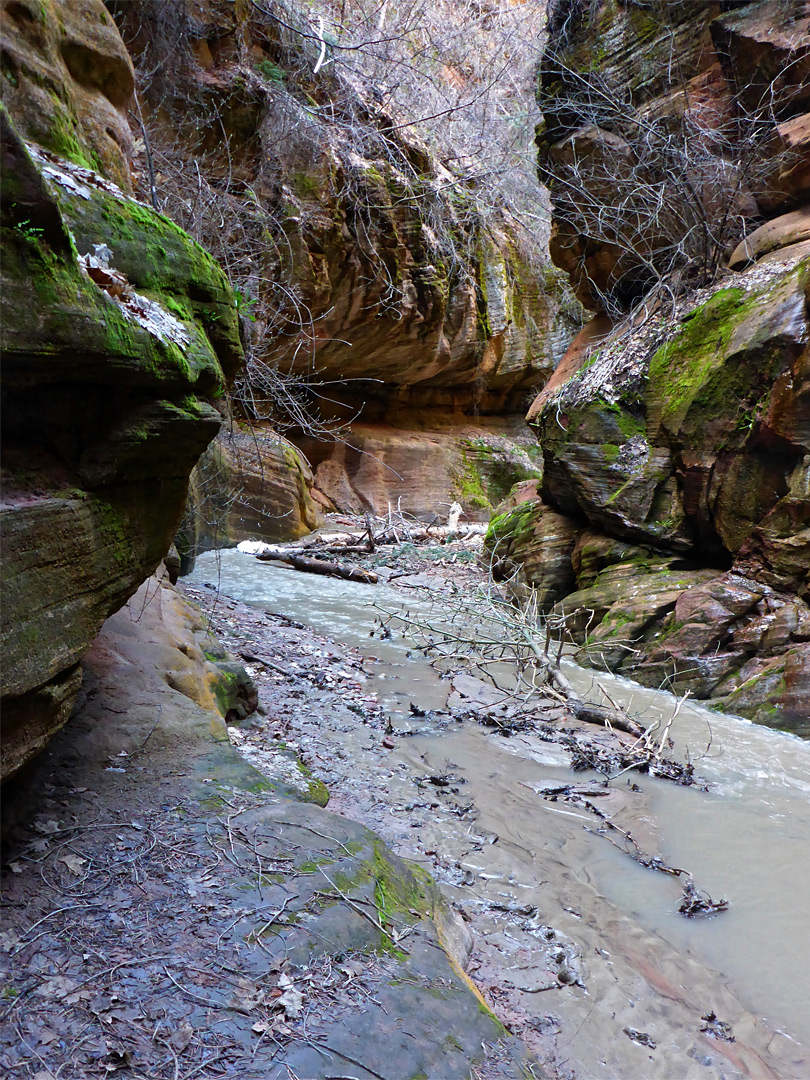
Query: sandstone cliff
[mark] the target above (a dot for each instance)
(673, 525)
(368, 272)
(669, 130)
(119, 336)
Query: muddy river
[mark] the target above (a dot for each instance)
(636, 965)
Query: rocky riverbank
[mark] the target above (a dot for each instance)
(180, 903)
(171, 911)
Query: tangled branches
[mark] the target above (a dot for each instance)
(662, 181)
(511, 645)
(481, 630)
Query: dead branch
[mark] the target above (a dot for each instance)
(511, 646)
(319, 566)
(694, 901)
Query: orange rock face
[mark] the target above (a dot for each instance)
(68, 81)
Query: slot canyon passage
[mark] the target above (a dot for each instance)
(405, 539)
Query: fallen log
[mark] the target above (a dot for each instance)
(320, 566)
(589, 713)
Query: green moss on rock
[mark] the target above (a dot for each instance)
(513, 527)
(110, 402)
(316, 792)
(680, 368)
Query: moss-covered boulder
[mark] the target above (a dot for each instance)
(691, 444)
(680, 454)
(534, 540)
(119, 336)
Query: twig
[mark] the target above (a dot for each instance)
(170, 1048)
(198, 997)
(50, 915)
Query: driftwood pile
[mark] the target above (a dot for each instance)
(323, 552)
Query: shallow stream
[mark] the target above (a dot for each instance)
(643, 965)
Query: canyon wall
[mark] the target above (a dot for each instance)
(120, 335)
(379, 303)
(672, 527)
(392, 331)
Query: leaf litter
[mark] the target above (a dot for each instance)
(105, 973)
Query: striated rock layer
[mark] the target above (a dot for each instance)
(365, 266)
(250, 483)
(669, 130)
(362, 256)
(419, 464)
(674, 525)
(119, 335)
(672, 528)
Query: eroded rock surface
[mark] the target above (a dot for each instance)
(669, 132)
(675, 494)
(675, 430)
(241, 914)
(119, 335)
(67, 80)
(364, 263)
(422, 463)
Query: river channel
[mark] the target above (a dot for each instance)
(638, 963)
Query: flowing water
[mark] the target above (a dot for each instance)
(747, 840)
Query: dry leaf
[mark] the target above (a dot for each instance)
(15, 867)
(180, 1039)
(291, 1001)
(46, 826)
(74, 863)
(352, 968)
(80, 995)
(247, 997)
(57, 987)
(8, 939)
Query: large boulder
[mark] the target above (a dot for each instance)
(119, 335)
(692, 444)
(532, 539)
(249, 484)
